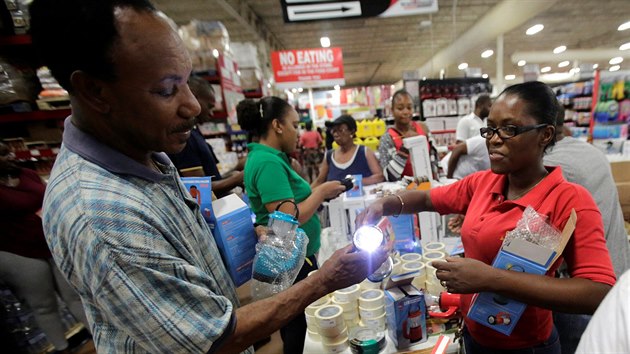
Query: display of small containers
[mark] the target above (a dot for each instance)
(433, 247)
(332, 328)
(411, 257)
(372, 309)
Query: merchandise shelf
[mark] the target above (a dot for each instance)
(56, 114)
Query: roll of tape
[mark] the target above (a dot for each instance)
(341, 337)
(397, 268)
(434, 256)
(334, 348)
(411, 257)
(371, 313)
(312, 308)
(366, 284)
(348, 294)
(351, 314)
(371, 299)
(311, 323)
(419, 267)
(431, 273)
(346, 306)
(434, 246)
(314, 335)
(377, 323)
(330, 317)
(350, 324)
(366, 340)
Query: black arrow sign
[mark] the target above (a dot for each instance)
(369, 8)
(343, 9)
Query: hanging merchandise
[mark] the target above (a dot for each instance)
(280, 256)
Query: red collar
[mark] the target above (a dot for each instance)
(535, 196)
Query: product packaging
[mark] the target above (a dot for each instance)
(233, 230)
(523, 253)
(357, 188)
(405, 310)
(200, 189)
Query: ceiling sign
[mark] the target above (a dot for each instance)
(316, 67)
(305, 10)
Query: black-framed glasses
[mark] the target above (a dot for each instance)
(508, 131)
(339, 130)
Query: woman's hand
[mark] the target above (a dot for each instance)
(330, 190)
(261, 232)
(371, 214)
(464, 275)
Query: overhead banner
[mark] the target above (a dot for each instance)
(308, 10)
(314, 67)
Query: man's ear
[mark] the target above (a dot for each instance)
(90, 91)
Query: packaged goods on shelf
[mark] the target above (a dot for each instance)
(202, 38)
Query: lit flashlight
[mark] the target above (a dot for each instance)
(369, 239)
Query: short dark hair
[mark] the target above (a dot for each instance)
(560, 116)
(308, 125)
(540, 102)
(255, 117)
(71, 35)
(482, 99)
(401, 92)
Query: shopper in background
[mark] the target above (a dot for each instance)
(609, 329)
(26, 264)
(349, 158)
(469, 125)
(311, 145)
(197, 152)
(270, 180)
(584, 164)
(467, 158)
(520, 129)
(121, 226)
(393, 156)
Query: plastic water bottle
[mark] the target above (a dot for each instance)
(279, 257)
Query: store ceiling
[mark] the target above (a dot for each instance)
(378, 50)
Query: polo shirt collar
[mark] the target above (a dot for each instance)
(261, 147)
(91, 149)
(534, 196)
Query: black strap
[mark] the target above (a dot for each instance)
(297, 210)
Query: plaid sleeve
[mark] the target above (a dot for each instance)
(164, 304)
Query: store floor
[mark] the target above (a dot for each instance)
(275, 345)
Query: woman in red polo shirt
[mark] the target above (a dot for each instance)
(520, 128)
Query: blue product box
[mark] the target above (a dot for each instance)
(405, 309)
(501, 313)
(406, 232)
(357, 189)
(200, 189)
(234, 233)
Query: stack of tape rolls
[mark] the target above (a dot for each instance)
(434, 256)
(372, 309)
(420, 267)
(367, 341)
(433, 285)
(433, 247)
(311, 322)
(411, 257)
(332, 328)
(347, 298)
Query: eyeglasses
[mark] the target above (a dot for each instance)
(342, 130)
(509, 131)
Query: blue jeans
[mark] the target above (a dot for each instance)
(550, 346)
(570, 328)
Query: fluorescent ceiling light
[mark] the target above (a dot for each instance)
(337, 87)
(534, 29)
(595, 66)
(268, 85)
(487, 53)
(300, 89)
(510, 77)
(462, 66)
(623, 26)
(485, 76)
(560, 49)
(562, 64)
(215, 53)
(521, 63)
(574, 70)
(614, 68)
(615, 61)
(325, 42)
(624, 46)
(238, 72)
(546, 69)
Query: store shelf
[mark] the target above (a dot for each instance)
(18, 39)
(56, 114)
(215, 135)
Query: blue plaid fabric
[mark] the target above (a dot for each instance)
(135, 246)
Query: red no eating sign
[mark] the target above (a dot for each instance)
(314, 67)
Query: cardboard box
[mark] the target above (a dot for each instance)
(620, 171)
(623, 189)
(233, 230)
(357, 187)
(501, 313)
(405, 309)
(405, 229)
(200, 189)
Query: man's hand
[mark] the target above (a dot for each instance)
(330, 190)
(345, 267)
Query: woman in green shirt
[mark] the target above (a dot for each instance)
(270, 180)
